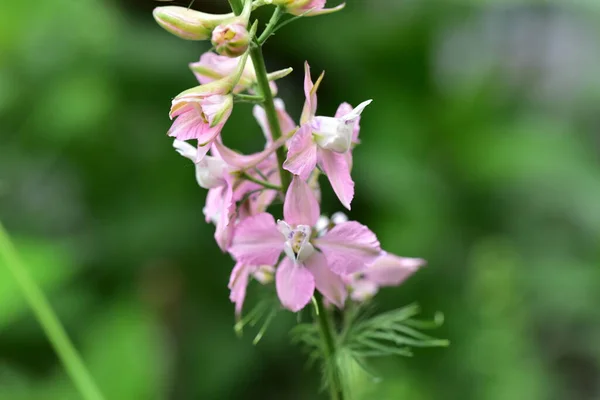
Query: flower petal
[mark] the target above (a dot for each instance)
(343, 110)
(185, 149)
(212, 206)
(295, 285)
(238, 282)
(257, 240)
(301, 206)
(302, 153)
(335, 166)
(225, 224)
(285, 121)
(392, 270)
(310, 94)
(349, 247)
(329, 284)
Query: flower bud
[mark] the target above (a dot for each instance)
(188, 24)
(231, 39)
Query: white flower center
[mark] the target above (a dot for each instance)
(333, 134)
(297, 241)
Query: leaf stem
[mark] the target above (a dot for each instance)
(48, 320)
(269, 106)
(327, 332)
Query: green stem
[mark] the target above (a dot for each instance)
(271, 26)
(269, 106)
(329, 348)
(248, 98)
(236, 6)
(265, 184)
(48, 320)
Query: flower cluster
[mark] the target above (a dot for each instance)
(303, 251)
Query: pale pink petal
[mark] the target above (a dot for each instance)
(349, 247)
(295, 285)
(213, 205)
(302, 153)
(301, 206)
(286, 122)
(238, 282)
(324, 11)
(363, 289)
(257, 240)
(391, 270)
(345, 109)
(213, 66)
(310, 102)
(335, 166)
(225, 224)
(329, 284)
(242, 161)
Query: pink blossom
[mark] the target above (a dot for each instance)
(212, 67)
(310, 263)
(387, 270)
(200, 116)
(226, 189)
(325, 141)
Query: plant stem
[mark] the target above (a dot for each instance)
(248, 98)
(236, 6)
(265, 184)
(329, 348)
(271, 26)
(47, 318)
(269, 106)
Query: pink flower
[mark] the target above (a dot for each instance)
(226, 189)
(311, 262)
(200, 113)
(307, 8)
(325, 141)
(212, 67)
(387, 270)
(231, 39)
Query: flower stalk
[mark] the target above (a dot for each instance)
(269, 105)
(48, 320)
(328, 336)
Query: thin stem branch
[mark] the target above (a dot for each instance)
(48, 320)
(271, 26)
(327, 332)
(265, 184)
(269, 106)
(248, 98)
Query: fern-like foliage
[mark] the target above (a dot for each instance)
(362, 336)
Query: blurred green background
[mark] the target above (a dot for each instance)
(480, 153)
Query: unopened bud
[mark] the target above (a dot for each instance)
(187, 23)
(231, 39)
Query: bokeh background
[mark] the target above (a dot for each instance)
(480, 153)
